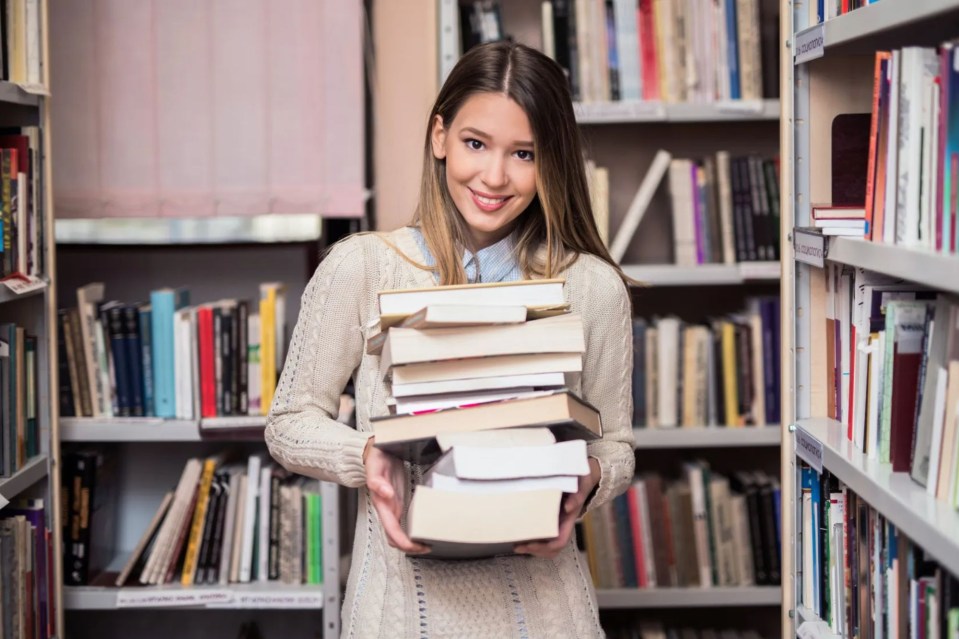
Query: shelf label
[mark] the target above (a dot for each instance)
(809, 247)
(809, 44)
(740, 106)
(21, 284)
(759, 270)
(150, 598)
(303, 600)
(809, 449)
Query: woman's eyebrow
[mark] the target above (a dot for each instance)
(487, 136)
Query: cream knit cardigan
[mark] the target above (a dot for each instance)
(389, 594)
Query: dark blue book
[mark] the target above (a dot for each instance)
(639, 372)
(134, 358)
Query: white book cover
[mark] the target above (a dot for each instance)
(249, 516)
(499, 438)
(938, 426)
(919, 68)
(239, 538)
(155, 569)
(625, 14)
(566, 484)
(410, 405)
(532, 380)
(488, 463)
(263, 525)
(889, 223)
(667, 330)
(694, 477)
(229, 527)
(546, 22)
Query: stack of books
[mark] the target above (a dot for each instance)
(848, 221)
(478, 381)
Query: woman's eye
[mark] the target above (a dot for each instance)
(474, 144)
(525, 155)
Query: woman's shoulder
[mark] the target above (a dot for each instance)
(367, 246)
(595, 273)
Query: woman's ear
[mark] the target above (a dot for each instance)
(438, 138)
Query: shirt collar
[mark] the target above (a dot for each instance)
(493, 263)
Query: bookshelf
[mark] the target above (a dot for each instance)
(29, 480)
(835, 75)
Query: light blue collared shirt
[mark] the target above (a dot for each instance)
(495, 263)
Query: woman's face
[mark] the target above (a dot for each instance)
(490, 173)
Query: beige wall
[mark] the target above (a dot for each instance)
(405, 84)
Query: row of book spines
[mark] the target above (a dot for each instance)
(829, 9)
(26, 571)
(640, 49)
(911, 189)
(23, 229)
(892, 379)
(19, 399)
(725, 210)
(690, 533)
(140, 375)
(862, 575)
(294, 513)
(693, 375)
(21, 49)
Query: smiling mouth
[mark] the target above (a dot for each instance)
(487, 203)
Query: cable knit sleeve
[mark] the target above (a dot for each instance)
(607, 370)
(326, 347)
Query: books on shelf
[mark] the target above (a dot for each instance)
(725, 209)
(20, 430)
(888, 357)
(21, 193)
(170, 358)
(913, 145)
(26, 571)
(702, 530)
(229, 520)
(722, 374)
(89, 491)
(861, 574)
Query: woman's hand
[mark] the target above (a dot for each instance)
(572, 506)
(386, 481)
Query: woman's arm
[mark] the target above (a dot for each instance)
(327, 346)
(607, 385)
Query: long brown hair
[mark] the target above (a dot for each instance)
(558, 224)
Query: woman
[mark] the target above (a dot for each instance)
(503, 197)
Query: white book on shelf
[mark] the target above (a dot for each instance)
(239, 538)
(409, 405)
(930, 162)
(254, 382)
(180, 510)
(229, 527)
(625, 14)
(88, 297)
(546, 22)
(637, 208)
(938, 426)
(668, 358)
(682, 196)
(532, 380)
(892, 157)
(249, 517)
(263, 525)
